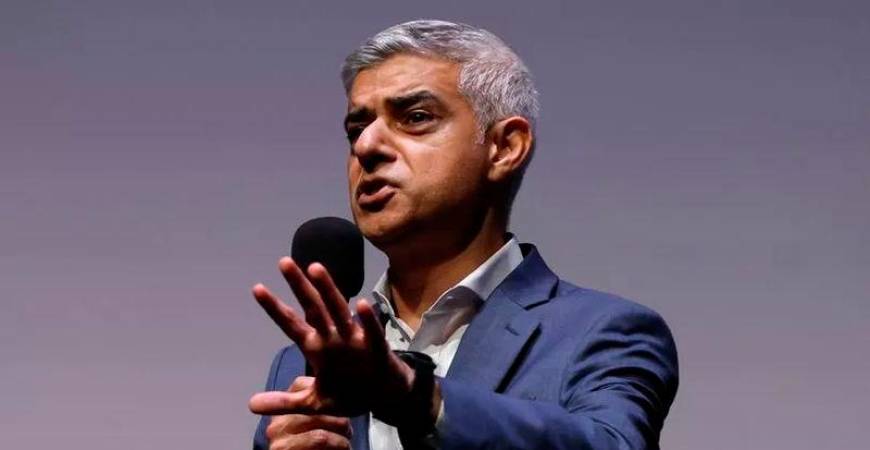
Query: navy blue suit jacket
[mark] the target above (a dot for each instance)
(544, 365)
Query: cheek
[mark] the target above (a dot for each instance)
(353, 173)
(452, 181)
(447, 167)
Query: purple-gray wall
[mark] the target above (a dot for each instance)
(710, 159)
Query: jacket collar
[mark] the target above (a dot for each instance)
(503, 327)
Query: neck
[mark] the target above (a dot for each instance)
(421, 273)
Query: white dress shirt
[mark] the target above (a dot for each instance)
(442, 325)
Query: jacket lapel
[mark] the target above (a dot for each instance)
(360, 438)
(502, 328)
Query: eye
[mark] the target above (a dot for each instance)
(417, 117)
(354, 132)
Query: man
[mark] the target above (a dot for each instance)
(504, 354)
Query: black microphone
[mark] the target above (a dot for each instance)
(338, 245)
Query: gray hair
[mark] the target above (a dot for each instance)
(491, 76)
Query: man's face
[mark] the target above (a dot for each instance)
(415, 165)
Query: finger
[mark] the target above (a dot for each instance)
(275, 403)
(372, 326)
(290, 323)
(332, 298)
(336, 424)
(300, 423)
(312, 440)
(301, 383)
(322, 439)
(307, 295)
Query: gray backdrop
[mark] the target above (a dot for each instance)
(708, 159)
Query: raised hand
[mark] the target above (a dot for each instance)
(353, 367)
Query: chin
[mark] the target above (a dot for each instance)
(382, 228)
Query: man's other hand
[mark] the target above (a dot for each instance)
(302, 432)
(308, 432)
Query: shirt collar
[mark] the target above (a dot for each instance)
(482, 281)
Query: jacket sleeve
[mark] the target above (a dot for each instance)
(615, 392)
(283, 368)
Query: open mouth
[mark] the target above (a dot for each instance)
(374, 195)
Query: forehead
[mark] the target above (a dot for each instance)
(403, 74)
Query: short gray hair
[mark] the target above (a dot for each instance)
(492, 77)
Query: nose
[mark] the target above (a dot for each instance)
(373, 146)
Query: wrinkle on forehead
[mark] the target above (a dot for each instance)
(401, 75)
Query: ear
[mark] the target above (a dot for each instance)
(510, 147)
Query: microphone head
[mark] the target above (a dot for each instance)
(338, 245)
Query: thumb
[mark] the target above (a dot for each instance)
(278, 403)
(301, 383)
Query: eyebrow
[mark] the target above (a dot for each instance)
(398, 103)
(357, 115)
(406, 101)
